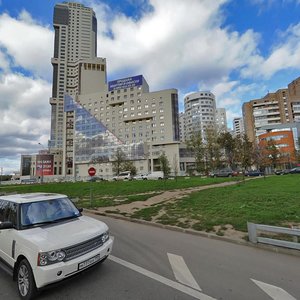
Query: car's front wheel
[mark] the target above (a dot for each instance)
(25, 281)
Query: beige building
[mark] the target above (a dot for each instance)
(294, 99)
(75, 41)
(272, 109)
(238, 126)
(131, 117)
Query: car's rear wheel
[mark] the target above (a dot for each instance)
(25, 281)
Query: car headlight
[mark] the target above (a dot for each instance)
(105, 237)
(50, 257)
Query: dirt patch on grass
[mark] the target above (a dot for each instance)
(169, 197)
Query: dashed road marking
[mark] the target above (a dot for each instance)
(273, 291)
(173, 284)
(182, 272)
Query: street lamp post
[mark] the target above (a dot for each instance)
(42, 177)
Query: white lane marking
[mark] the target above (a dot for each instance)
(273, 291)
(182, 272)
(175, 285)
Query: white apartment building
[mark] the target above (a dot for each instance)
(200, 113)
(221, 120)
(238, 126)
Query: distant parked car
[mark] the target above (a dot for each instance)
(282, 172)
(95, 178)
(295, 170)
(126, 175)
(140, 177)
(254, 173)
(226, 172)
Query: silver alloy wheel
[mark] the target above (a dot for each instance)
(23, 280)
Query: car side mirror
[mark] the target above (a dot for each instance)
(6, 225)
(80, 209)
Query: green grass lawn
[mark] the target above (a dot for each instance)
(81, 190)
(274, 200)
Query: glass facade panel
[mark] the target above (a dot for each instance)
(93, 141)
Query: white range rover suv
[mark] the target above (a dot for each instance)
(44, 238)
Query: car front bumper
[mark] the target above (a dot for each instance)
(46, 275)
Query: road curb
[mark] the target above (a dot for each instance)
(271, 248)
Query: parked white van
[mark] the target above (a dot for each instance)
(156, 175)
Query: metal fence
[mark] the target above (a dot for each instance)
(273, 230)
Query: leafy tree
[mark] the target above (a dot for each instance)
(274, 153)
(196, 145)
(228, 143)
(212, 150)
(244, 151)
(260, 157)
(119, 158)
(164, 164)
(129, 166)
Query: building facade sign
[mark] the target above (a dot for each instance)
(44, 165)
(125, 83)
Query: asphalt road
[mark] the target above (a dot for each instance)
(154, 263)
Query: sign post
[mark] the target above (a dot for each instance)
(92, 172)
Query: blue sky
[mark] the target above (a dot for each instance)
(238, 49)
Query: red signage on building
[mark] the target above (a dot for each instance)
(44, 164)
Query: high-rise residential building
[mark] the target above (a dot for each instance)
(76, 70)
(75, 66)
(294, 99)
(221, 120)
(280, 107)
(272, 109)
(238, 126)
(200, 113)
(182, 126)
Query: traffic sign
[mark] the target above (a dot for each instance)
(92, 171)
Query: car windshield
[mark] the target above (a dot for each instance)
(47, 211)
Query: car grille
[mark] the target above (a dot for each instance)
(83, 248)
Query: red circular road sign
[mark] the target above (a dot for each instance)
(92, 171)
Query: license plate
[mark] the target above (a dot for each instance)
(88, 262)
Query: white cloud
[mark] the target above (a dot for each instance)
(29, 44)
(176, 43)
(24, 114)
(283, 56)
(230, 94)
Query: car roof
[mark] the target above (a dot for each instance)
(31, 197)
